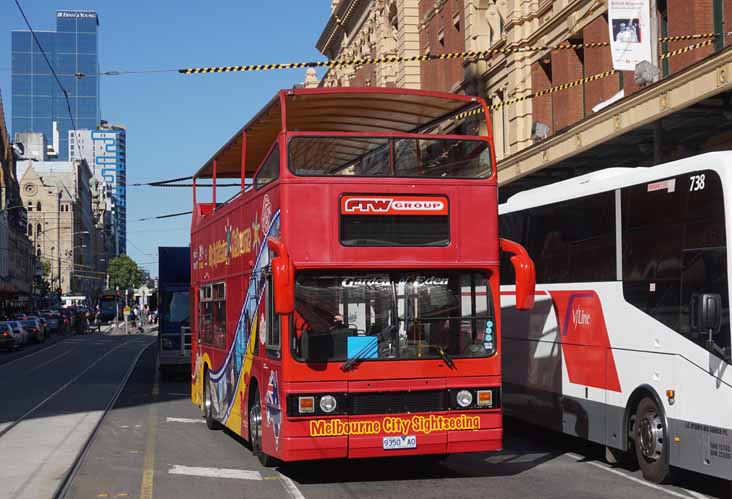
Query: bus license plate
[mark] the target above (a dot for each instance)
(404, 442)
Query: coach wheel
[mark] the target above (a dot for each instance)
(650, 441)
(208, 404)
(255, 431)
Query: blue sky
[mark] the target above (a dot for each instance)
(176, 122)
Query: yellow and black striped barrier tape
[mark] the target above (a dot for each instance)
(469, 54)
(684, 50)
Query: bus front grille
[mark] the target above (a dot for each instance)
(398, 402)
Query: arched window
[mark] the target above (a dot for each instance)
(38, 206)
(30, 205)
(30, 229)
(38, 230)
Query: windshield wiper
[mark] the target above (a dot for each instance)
(367, 350)
(446, 357)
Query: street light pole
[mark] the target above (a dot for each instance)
(58, 235)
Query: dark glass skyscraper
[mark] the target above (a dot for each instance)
(38, 103)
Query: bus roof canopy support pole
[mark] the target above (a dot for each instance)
(214, 184)
(243, 160)
(194, 193)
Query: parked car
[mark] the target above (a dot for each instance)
(43, 323)
(7, 338)
(19, 332)
(53, 320)
(34, 329)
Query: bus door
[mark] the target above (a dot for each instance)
(271, 374)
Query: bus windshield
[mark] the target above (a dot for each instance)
(390, 157)
(175, 306)
(400, 315)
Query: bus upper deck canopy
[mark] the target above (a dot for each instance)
(373, 110)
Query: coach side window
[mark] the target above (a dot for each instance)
(270, 170)
(511, 226)
(674, 247)
(574, 241)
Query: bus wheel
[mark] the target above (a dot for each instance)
(650, 445)
(208, 404)
(255, 431)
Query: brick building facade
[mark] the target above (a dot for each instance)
(534, 134)
(16, 253)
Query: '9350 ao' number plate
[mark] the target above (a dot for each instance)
(403, 442)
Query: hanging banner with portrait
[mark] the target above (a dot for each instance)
(629, 22)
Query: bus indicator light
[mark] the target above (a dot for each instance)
(485, 398)
(306, 405)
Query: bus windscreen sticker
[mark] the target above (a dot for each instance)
(664, 185)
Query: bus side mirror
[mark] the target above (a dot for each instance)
(283, 278)
(525, 272)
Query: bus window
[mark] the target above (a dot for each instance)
(381, 157)
(397, 315)
(674, 247)
(270, 169)
(273, 323)
(212, 314)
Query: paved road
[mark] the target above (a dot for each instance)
(52, 399)
(154, 444)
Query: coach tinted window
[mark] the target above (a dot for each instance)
(512, 226)
(674, 247)
(574, 241)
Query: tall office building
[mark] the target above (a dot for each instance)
(38, 102)
(105, 151)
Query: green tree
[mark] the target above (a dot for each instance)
(124, 273)
(43, 281)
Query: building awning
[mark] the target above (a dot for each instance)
(377, 110)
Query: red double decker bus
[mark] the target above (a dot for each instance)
(346, 299)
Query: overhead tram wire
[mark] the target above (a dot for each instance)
(159, 217)
(471, 54)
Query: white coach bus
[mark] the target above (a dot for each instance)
(629, 342)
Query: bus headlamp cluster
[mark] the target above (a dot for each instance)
(316, 404)
(475, 398)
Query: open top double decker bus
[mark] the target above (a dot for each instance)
(346, 298)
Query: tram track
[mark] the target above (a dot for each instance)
(4, 430)
(63, 487)
(35, 352)
(49, 432)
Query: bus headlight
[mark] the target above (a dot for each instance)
(328, 403)
(464, 398)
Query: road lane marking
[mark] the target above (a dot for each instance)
(33, 354)
(178, 469)
(148, 471)
(626, 476)
(184, 420)
(695, 494)
(51, 360)
(290, 487)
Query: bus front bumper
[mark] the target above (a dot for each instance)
(489, 437)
